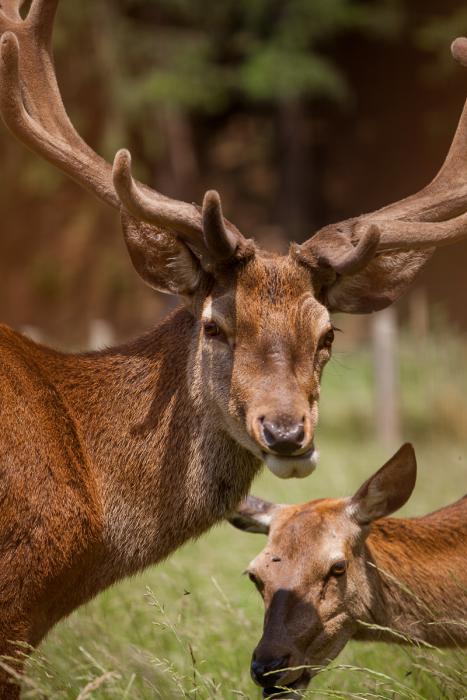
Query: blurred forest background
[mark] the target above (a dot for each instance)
(299, 113)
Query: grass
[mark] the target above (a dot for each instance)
(186, 629)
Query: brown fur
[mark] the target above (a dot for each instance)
(427, 557)
(111, 460)
(405, 578)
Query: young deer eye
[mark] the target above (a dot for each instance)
(338, 568)
(211, 329)
(254, 579)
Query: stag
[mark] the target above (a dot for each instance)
(339, 569)
(99, 451)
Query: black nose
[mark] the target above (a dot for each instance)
(262, 671)
(282, 437)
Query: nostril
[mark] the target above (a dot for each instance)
(263, 672)
(278, 663)
(257, 670)
(299, 433)
(283, 437)
(269, 434)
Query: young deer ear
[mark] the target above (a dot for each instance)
(388, 489)
(379, 284)
(163, 261)
(254, 515)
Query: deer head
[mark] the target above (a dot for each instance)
(262, 330)
(313, 574)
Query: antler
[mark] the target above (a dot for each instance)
(30, 101)
(212, 236)
(434, 216)
(32, 108)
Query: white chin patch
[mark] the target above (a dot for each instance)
(292, 467)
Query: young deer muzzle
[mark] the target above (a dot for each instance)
(339, 569)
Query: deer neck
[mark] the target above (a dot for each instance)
(165, 471)
(418, 580)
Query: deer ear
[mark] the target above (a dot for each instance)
(388, 489)
(254, 515)
(378, 285)
(163, 261)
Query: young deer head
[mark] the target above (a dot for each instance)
(263, 330)
(314, 574)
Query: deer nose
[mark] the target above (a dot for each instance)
(262, 672)
(283, 437)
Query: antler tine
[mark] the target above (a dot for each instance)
(11, 9)
(446, 195)
(457, 155)
(434, 216)
(12, 107)
(152, 207)
(217, 236)
(31, 133)
(336, 252)
(30, 101)
(41, 17)
(459, 50)
(437, 215)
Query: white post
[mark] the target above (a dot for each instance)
(387, 417)
(33, 332)
(101, 334)
(419, 317)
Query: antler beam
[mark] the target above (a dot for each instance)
(435, 216)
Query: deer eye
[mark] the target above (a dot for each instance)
(211, 329)
(327, 339)
(338, 568)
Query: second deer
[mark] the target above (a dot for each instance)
(339, 569)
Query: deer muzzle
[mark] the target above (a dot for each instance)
(287, 444)
(298, 466)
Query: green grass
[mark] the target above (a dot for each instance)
(186, 629)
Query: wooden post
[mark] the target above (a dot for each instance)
(387, 404)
